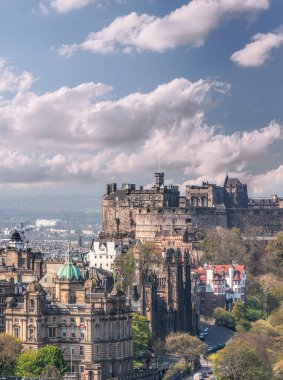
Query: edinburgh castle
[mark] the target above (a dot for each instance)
(148, 213)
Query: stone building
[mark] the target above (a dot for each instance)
(145, 213)
(120, 207)
(168, 297)
(91, 326)
(19, 266)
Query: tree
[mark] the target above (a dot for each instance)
(52, 355)
(275, 246)
(10, 349)
(33, 363)
(224, 318)
(50, 372)
(238, 311)
(27, 365)
(187, 347)
(148, 257)
(126, 263)
(240, 361)
(278, 370)
(141, 335)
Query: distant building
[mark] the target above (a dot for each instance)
(103, 254)
(92, 327)
(220, 286)
(19, 266)
(47, 222)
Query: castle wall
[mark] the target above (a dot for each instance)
(178, 220)
(269, 220)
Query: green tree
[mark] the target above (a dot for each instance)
(148, 257)
(188, 348)
(52, 355)
(126, 263)
(240, 361)
(27, 365)
(10, 349)
(33, 363)
(141, 335)
(50, 372)
(224, 318)
(238, 311)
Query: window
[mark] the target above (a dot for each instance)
(82, 351)
(54, 319)
(32, 304)
(82, 320)
(82, 333)
(16, 332)
(31, 320)
(73, 332)
(16, 320)
(51, 332)
(82, 368)
(72, 320)
(73, 351)
(31, 334)
(63, 331)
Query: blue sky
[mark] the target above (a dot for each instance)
(98, 91)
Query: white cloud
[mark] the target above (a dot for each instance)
(257, 52)
(79, 135)
(187, 25)
(10, 81)
(63, 6)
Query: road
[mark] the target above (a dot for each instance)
(216, 335)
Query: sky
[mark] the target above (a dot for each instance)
(101, 91)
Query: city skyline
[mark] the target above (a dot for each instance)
(95, 92)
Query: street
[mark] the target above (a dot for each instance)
(216, 335)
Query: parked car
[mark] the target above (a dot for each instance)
(220, 346)
(201, 336)
(211, 349)
(205, 330)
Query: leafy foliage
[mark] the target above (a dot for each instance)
(141, 336)
(224, 318)
(187, 347)
(10, 349)
(34, 363)
(239, 360)
(175, 369)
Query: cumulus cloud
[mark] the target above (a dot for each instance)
(82, 134)
(63, 6)
(259, 50)
(187, 25)
(10, 81)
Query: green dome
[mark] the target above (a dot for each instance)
(69, 270)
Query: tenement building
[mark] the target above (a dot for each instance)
(220, 286)
(145, 214)
(92, 327)
(19, 266)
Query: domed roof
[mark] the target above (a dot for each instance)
(69, 270)
(16, 236)
(34, 286)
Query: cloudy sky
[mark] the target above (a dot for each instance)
(96, 91)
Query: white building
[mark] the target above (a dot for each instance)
(47, 222)
(220, 286)
(102, 255)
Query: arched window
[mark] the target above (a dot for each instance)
(32, 303)
(204, 202)
(194, 202)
